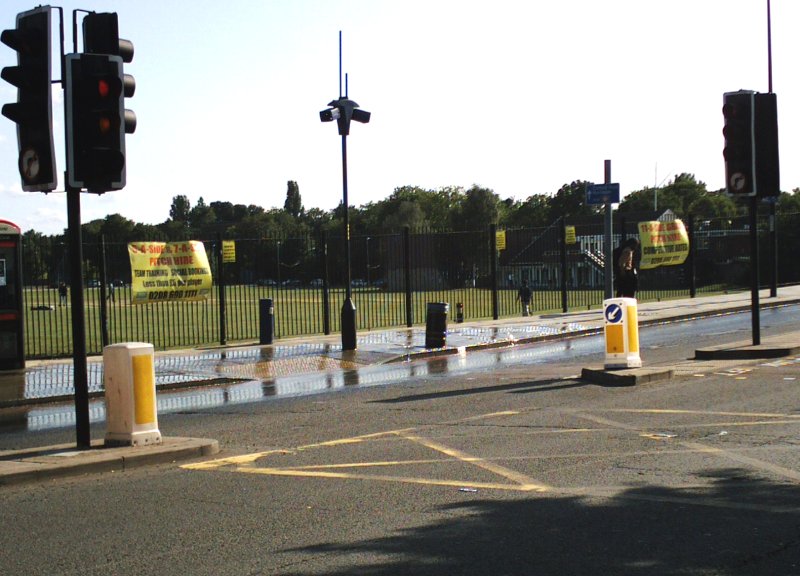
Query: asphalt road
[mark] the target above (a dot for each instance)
(510, 468)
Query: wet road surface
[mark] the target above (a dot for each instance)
(255, 381)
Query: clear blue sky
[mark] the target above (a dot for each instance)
(519, 97)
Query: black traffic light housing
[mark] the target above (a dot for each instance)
(101, 36)
(97, 121)
(33, 110)
(343, 111)
(751, 144)
(94, 98)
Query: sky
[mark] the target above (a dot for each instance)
(518, 97)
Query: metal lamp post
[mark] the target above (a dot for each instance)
(343, 111)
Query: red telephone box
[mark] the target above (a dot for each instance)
(12, 344)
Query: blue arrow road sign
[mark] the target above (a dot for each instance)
(614, 314)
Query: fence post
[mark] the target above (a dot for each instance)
(223, 335)
(493, 261)
(407, 270)
(563, 250)
(690, 260)
(103, 297)
(326, 296)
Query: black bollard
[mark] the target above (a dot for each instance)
(266, 320)
(436, 325)
(459, 312)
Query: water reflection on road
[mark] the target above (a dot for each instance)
(271, 385)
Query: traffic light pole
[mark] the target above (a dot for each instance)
(79, 369)
(754, 276)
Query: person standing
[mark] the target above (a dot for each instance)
(62, 294)
(524, 296)
(627, 274)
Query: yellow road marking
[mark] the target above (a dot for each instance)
(753, 462)
(400, 479)
(512, 475)
(740, 458)
(700, 412)
(232, 460)
(245, 463)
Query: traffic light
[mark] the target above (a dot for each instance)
(95, 116)
(766, 145)
(97, 120)
(751, 144)
(739, 152)
(33, 110)
(101, 36)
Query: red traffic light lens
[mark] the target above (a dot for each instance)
(103, 88)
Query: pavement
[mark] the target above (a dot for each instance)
(287, 362)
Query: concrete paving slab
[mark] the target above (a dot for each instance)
(65, 460)
(626, 376)
(769, 348)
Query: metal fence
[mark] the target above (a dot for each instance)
(394, 276)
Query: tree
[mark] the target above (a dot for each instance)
(478, 209)
(570, 200)
(180, 208)
(532, 213)
(789, 202)
(293, 204)
(203, 220)
(678, 196)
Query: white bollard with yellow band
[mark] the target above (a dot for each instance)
(129, 377)
(622, 333)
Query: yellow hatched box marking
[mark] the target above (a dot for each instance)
(144, 397)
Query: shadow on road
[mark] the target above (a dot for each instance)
(741, 525)
(516, 387)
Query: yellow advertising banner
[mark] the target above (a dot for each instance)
(663, 244)
(169, 271)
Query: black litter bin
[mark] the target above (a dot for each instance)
(436, 325)
(266, 320)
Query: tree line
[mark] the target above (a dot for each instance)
(449, 208)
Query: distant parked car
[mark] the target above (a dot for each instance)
(94, 283)
(359, 283)
(266, 282)
(291, 283)
(316, 283)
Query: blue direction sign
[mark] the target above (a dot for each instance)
(602, 194)
(613, 314)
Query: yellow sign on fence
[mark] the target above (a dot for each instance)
(569, 235)
(228, 251)
(663, 243)
(164, 271)
(500, 239)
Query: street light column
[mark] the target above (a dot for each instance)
(348, 307)
(343, 111)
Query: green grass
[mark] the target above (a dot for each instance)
(297, 312)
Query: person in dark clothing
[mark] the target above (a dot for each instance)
(524, 296)
(627, 274)
(62, 294)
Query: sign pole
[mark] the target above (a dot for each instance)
(609, 249)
